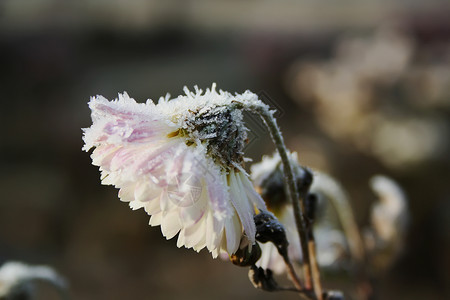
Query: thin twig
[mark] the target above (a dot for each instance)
(315, 268)
(340, 201)
(292, 274)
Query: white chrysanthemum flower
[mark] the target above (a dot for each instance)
(268, 177)
(180, 160)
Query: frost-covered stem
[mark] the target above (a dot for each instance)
(297, 202)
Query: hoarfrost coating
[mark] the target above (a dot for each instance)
(180, 160)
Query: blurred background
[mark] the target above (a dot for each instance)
(362, 88)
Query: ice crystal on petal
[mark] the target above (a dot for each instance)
(180, 160)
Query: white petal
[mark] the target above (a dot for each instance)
(192, 214)
(155, 219)
(242, 205)
(134, 205)
(152, 207)
(126, 193)
(253, 196)
(233, 233)
(145, 190)
(170, 224)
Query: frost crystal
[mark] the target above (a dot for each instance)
(180, 160)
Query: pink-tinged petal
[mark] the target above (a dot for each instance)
(124, 108)
(103, 154)
(154, 160)
(123, 158)
(124, 122)
(218, 193)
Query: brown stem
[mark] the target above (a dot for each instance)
(292, 274)
(315, 268)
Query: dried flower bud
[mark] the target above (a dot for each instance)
(269, 229)
(311, 206)
(247, 256)
(262, 279)
(268, 176)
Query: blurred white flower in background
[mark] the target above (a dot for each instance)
(17, 280)
(389, 222)
(372, 94)
(181, 160)
(339, 242)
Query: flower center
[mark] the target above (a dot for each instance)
(222, 130)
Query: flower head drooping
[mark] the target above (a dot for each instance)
(181, 160)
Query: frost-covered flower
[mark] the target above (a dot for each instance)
(268, 176)
(181, 160)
